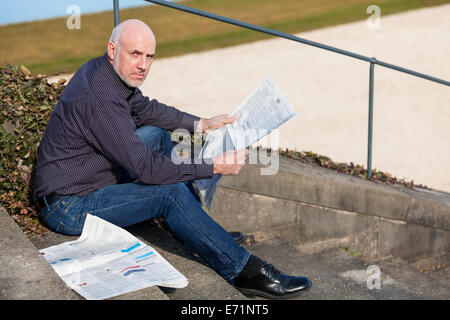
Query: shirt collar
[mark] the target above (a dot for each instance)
(122, 88)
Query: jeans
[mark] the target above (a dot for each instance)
(129, 202)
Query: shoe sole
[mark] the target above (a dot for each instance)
(252, 293)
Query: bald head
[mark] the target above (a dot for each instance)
(131, 27)
(131, 49)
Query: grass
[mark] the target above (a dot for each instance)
(353, 253)
(49, 47)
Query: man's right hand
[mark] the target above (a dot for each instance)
(230, 162)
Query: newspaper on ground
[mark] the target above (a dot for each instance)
(107, 261)
(263, 111)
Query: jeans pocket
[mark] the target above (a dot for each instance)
(51, 215)
(65, 216)
(71, 230)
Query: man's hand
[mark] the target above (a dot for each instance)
(214, 123)
(230, 162)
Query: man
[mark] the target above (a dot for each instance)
(103, 134)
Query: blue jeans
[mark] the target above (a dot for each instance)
(128, 203)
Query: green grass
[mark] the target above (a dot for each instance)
(353, 253)
(59, 65)
(49, 47)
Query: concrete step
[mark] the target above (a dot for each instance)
(442, 275)
(204, 283)
(327, 284)
(412, 279)
(338, 274)
(437, 267)
(398, 279)
(25, 274)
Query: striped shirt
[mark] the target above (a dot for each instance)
(91, 137)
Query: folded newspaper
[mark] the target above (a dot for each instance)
(107, 261)
(263, 111)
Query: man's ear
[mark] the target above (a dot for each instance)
(112, 49)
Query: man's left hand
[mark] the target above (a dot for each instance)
(214, 123)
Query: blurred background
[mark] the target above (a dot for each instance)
(35, 32)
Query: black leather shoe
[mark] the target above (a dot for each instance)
(271, 283)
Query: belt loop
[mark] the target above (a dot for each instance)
(46, 203)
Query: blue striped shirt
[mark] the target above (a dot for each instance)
(91, 137)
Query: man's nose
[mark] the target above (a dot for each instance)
(143, 63)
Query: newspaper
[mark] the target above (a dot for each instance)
(263, 111)
(107, 261)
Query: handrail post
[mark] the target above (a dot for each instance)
(116, 12)
(370, 126)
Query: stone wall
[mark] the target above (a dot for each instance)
(316, 208)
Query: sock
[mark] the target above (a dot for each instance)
(252, 267)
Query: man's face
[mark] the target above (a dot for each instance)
(133, 57)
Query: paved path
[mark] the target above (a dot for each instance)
(411, 137)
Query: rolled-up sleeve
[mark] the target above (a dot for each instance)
(114, 134)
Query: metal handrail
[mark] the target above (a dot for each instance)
(253, 27)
